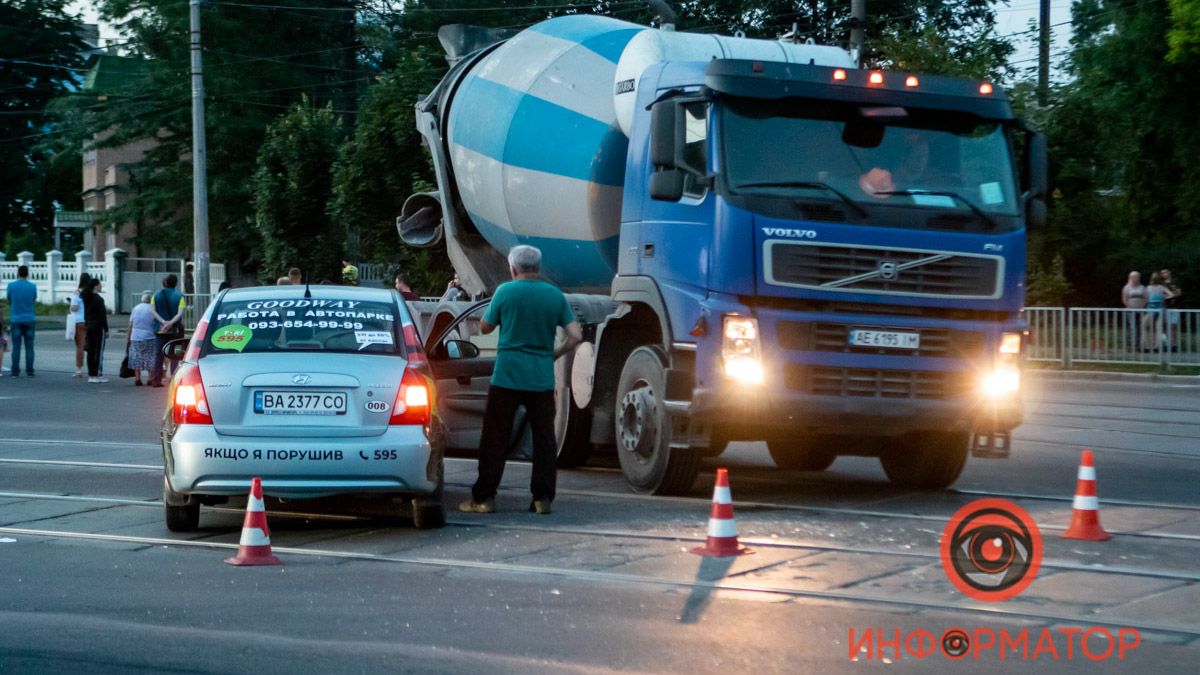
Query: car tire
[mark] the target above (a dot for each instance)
(181, 512)
(802, 453)
(643, 429)
(927, 460)
(428, 514)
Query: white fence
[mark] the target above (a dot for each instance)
(57, 280)
(1083, 335)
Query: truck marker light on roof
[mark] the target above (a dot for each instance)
(911, 81)
(875, 77)
(757, 66)
(985, 88)
(839, 74)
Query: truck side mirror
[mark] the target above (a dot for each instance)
(1038, 176)
(663, 134)
(666, 186)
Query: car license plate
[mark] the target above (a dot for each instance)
(888, 339)
(300, 402)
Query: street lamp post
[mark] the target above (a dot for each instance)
(200, 256)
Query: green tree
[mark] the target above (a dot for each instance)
(40, 58)
(1184, 35)
(259, 59)
(292, 187)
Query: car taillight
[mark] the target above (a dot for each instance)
(188, 403)
(413, 399)
(193, 350)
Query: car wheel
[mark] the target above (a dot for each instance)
(643, 429)
(428, 514)
(182, 513)
(928, 460)
(803, 453)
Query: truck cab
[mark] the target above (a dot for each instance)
(840, 255)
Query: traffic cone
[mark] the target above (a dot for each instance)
(255, 546)
(722, 528)
(1085, 519)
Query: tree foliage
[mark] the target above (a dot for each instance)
(292, 187)
(40, 57)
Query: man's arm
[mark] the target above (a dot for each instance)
(574, 337)
(485, 327)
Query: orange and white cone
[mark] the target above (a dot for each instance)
(1085, 519)
(722, 528)
(255, 546)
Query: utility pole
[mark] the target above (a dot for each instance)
(199, 164)
(1043, 87)
(858, 21)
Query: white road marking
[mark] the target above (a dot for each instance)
(614, 577)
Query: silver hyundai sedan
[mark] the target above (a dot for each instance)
(318, 391)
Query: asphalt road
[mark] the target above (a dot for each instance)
(93, 581)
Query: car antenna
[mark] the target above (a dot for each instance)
(307, 291)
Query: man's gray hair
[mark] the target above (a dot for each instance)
(146, 296)
(525, 259)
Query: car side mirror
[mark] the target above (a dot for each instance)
(664, 130)
(1037, 166)
(175, 349)
(666, 186)
(456, 349)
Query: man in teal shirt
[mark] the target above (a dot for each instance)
(22, 293)
(528, 311)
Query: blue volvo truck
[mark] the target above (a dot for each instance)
(762, 241)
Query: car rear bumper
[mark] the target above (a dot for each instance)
(203, 462)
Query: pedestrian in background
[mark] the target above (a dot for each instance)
(168, 311)
(189, 279)
(95, 316)
(295, 277)
(283, 281)
(1133, 296)
(1152, 323)
(22, 294)
(142, 340)
(1170, 303)
(401, 284)
(76, 330)
(349, 273)
(528, 311)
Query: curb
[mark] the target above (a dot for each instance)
(1105, 376)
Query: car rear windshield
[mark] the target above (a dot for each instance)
(304, 325)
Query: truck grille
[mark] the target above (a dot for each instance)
(883, 271)
(832, 337)
(871, 383)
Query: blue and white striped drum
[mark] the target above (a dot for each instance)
(538, 156)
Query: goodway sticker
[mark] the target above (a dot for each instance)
(372, 337)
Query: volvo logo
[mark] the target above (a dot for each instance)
(301, 379)
(887, 270)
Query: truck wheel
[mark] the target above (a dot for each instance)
(929, 460)
(182, 514)
(643, 429)
(803, 453)
(572, 424)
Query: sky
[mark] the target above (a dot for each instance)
(1011, 18)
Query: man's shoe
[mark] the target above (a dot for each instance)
(540, 506)
(30, 374)
(472, 506)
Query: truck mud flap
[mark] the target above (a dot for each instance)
(991, 445)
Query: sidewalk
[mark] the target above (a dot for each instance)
(53, 353)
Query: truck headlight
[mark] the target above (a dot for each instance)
(1010, 343)
(741, 352)
(1001, 382)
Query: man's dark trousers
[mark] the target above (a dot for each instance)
(22, 334)
(502, 404)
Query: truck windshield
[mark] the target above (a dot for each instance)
(886, 161)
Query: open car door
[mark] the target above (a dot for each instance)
(462, 359)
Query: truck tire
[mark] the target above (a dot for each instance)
(803, 453)
(572, 424)
(182, 514)
(643, 429)
(927, 460)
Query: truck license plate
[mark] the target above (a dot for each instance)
(300, 403)
(887, 339)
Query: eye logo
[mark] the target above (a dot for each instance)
(955, 642)
(991, 550)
